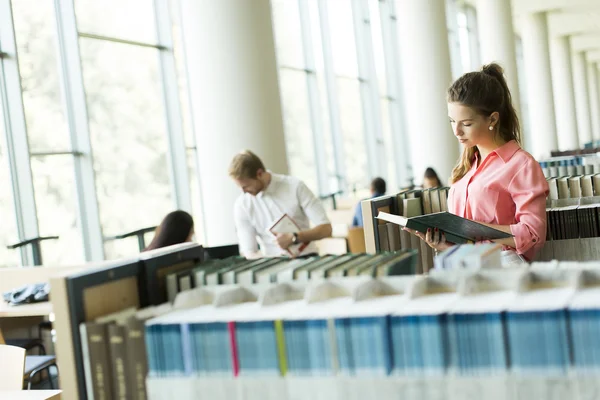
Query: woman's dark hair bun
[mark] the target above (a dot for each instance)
(494, 70)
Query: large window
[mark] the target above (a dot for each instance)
(350, 48)
(99, 128)
(186, 118)
(523, 95)
(345, 65)
(8, 230)
(334, 58)
(295, 99)
(47, 130)
(128, 133)
(103, 129)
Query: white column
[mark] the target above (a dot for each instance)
(497, 41)
(423, 42)
(582, 106)
(474, 47)
(597, 68)
(593, 98)
(564, 93)
(539, 84)
(234, 91)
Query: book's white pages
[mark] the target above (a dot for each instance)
(395, 219)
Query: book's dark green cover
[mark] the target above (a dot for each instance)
(458, 230)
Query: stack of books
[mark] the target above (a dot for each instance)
(499, 334)
(573, 186)
(385, 236)
(418, 210)
(114, 353)
(573, 221)
(483, 255)
(570, 165)
(238, 270)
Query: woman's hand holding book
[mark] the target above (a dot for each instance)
(433, 237)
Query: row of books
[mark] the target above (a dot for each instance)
(589, 148)
(114, 353)
(573, 186)
(486, 323)
(385, 236)
(573, 221)
(238, 270)
(571, 165)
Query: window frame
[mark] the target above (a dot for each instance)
(12, 117)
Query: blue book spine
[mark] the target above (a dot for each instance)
(344, 343)
(173, 350)
(539, 341)
(499, 348)
(187, 350)
(371, 346)
(477, 345)
(319, 347)
(160, 352)
(152, 337)
(257, 347)
(296, 346)
(409, 337)
(199, 357)
(211, 348)
(433, 327)
(374, 346)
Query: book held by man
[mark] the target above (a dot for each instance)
(457, 229)
(286, 224)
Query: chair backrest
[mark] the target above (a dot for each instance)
(356, 240)
(12, 365)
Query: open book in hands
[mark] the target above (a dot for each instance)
(457, 229)
(286, 224)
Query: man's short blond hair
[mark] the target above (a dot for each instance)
(245, 165)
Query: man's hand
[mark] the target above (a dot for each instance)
(285, 240)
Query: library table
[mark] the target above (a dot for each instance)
(30, 394)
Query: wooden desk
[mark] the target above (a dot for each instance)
(27, 310)
(30, 394)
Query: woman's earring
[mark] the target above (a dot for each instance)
(491, 128)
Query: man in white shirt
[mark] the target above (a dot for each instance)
(266, 198)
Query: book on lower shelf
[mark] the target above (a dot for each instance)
(114, 353)
(457, 229)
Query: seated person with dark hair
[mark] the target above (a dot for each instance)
(431, 179)
(177, 227)
(378, 188)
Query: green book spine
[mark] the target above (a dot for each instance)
(280, 338)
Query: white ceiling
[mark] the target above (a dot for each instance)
(585, 41)
(593, 56)
(578, 19)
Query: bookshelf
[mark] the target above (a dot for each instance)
(407, 203)
(139, 283)
(567, 239)
(86, 295)
(573, 223)
(450, 318)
